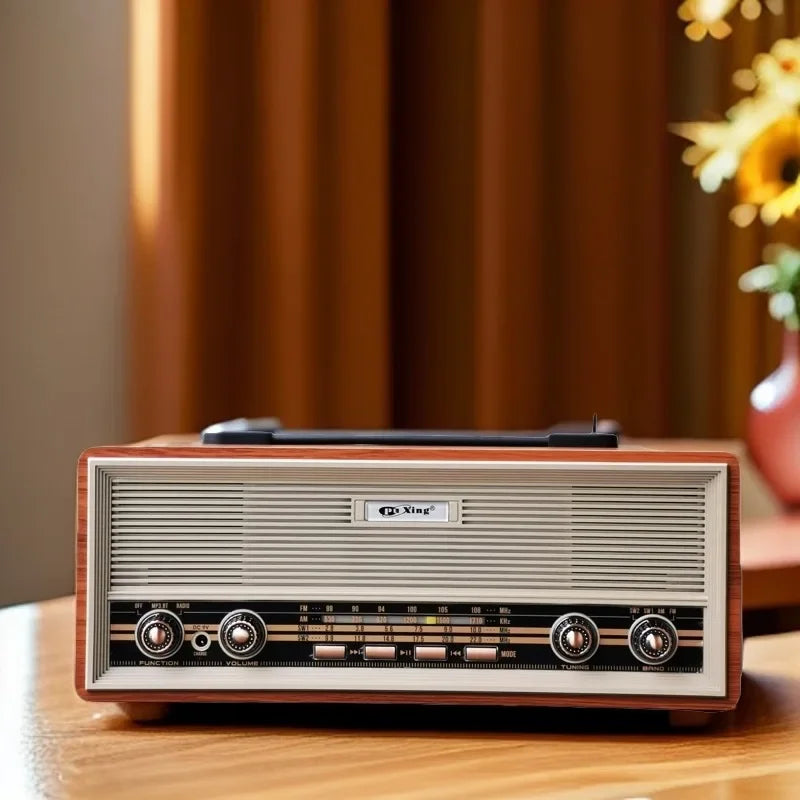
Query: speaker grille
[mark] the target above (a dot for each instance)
(554, 528)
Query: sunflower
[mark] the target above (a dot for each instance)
(768, 175)
(708, 16)
(754, 135)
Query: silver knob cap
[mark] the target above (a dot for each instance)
(159, 634)
(574, 638)
(156, 635)
(653, 639)
(242, 634)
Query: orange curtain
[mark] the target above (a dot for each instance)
(263, 285)
(461, 213)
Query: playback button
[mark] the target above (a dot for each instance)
(329, 652)
(380, 652)
(430, 653)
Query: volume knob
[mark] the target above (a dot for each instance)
(653, 639)
(242, 634)
(574, 638)
(159, 634)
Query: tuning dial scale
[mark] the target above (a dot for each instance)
(574, 638)
(159, 634)
(242, 634)
(653, 639)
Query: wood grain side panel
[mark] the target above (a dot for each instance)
(734, 588)
(734, 641)
(80, 574)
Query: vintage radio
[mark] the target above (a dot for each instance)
(415, 568)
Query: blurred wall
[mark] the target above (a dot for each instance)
(63, 107)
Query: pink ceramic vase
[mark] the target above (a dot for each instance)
(773, 429)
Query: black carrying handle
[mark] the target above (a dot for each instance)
(268, 431)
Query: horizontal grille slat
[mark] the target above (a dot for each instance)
(634, 488)
(253, 553)
(321, 586)
(275, 562)
(177, 533)
(315, 527)
(294, 568)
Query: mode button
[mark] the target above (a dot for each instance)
(480, 653)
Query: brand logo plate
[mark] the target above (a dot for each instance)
(406, 511)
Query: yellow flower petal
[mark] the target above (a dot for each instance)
(750, 9)
(685, 12)
(696, 31)
(789, 201)
(719, 29)
(710, 10)
(770, 214)
(745, 79)
(693, 155)
(743, 214)
(784, 205)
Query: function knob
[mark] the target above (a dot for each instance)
(574, 638)
(653, 639)
(159, 634)
(242, 634)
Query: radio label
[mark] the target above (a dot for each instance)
(406, 511)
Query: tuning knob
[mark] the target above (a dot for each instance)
(574, 638)
(159, 634)
(242, 634)
(653, 639)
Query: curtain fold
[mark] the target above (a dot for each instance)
(511, 286)
(465, 213)
(432, 212)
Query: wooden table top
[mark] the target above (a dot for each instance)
(54, 745)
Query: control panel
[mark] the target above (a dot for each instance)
(413, 635)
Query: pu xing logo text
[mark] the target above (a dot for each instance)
(406, 509)
(405, 512)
